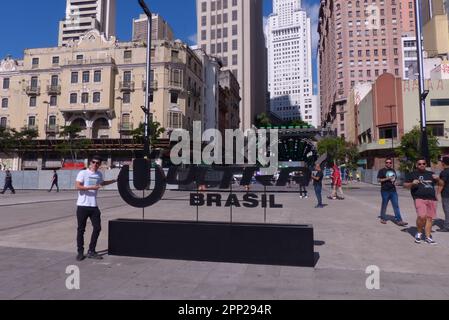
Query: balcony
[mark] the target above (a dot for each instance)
(90, 61)
(154, 85)
(33, 90)
(33, 127)
(51, 128)
(125, 127)
(127, 86)
(176, 85)
(54, 89)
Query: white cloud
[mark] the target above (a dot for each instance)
(192, 39)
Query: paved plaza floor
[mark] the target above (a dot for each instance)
(37, 244)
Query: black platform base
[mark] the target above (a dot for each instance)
(268, 244)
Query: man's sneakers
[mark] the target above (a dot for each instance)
(401, 223)
(429, 240)
(418, 238)
(94, 255)
(80, 256)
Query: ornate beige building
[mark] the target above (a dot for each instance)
(99, 84)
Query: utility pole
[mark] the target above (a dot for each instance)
(147, 107)
(422, 92)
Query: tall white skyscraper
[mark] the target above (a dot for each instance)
(85, 15)
(290, 79)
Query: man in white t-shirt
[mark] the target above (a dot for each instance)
(88, 182)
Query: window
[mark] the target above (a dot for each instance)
(35, 63)
(73, 98)
(86, 76)
(6, 83)
(97, 97)
(53, 101)
(54, 81)
(174, 120)
(34, 82)
(127, 55)
(74, 78)
(97, 76)
(390, 132)
(52, 121)
(5, 103)
(439, 102)
(79, 57)
(127, 98)
(437, 129)
(85, 97)
(127, 76)
(32, 121)
(174, 97)
(32, 101)
(55, 61)
(3, 122)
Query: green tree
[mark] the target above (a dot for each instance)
(298, 123)
(156, 132)
(339, 151)
(263, 120)
(410, 149)
(72, 143)
(335, 147)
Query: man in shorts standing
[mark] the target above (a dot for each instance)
(422, 185)
(88, 182)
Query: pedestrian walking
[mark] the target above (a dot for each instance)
(303, 181)
(54, 181)
(387, 178)
(337, 184)
(88, 182)
(8, 183)
(444, 191)
(317, 177)
(422, 185)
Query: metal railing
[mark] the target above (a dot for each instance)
(127, 85)
(51, 128)
(33, 90)
(54, 89)
(90, 61)
(125, 127)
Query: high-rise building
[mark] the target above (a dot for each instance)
(85, 15)
(161, 29)
(290, 79)
(359, 41)
(436, 28)
(233, 31)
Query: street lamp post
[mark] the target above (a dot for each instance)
(147, 107)
(422, 92)
(392, 132)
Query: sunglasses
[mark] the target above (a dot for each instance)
(96, 162)
(389, 162)
(422, 164)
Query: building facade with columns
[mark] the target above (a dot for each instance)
(99, 84)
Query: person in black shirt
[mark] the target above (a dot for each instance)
(317, 177)
(54, 181)
(387, 178)
(444, 191)
(8, 183)
(422, 185)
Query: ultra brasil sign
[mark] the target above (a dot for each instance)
(255, 150)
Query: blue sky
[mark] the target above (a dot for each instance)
(35, 23)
